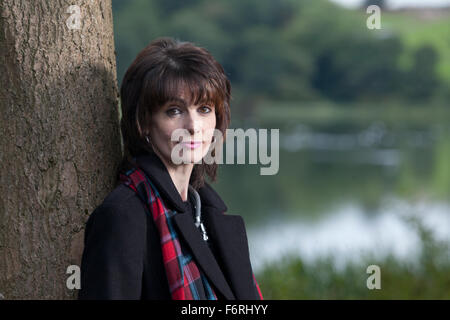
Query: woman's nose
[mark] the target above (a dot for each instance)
(193, 124)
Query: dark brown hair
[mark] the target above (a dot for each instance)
(159, 73)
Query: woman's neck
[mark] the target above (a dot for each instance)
(180, 175)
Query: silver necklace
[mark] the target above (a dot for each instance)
(198, 213)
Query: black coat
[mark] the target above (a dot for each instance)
(122, 256)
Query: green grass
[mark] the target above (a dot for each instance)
(426, 278)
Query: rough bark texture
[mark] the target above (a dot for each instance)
(59, 138)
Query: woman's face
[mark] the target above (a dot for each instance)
(198, 122)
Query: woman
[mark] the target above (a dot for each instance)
(163, 233)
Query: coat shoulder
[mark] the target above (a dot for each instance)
(122, 257)
(120, 210)
(121, 196)
(123, 199)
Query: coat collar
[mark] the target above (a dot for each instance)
(234, 277)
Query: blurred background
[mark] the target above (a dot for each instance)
(364, 119)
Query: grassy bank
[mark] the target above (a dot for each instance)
(426, 278)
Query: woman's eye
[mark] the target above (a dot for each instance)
(205, 109)
(173, 111)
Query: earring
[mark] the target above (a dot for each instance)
(148, 140)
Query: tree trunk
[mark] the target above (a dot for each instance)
(59, 137)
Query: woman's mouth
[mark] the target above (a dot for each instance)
(192, 144)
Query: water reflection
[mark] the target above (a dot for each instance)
(348, 233)
(376, 135)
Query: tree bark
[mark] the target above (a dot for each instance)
(59, 136)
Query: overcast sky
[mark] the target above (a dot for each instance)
(399, 3)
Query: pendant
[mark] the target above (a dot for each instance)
(202, 228)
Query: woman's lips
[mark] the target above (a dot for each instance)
(192, 144)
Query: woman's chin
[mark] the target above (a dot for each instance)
(190, 156)
(196, 157)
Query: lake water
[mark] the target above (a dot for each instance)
(347, 233)
(344, 191)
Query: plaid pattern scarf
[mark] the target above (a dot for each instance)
(186, 280)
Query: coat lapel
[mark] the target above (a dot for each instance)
(229, 235)
(227, 232)
(202, 254)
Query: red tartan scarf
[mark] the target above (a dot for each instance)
(186, 280)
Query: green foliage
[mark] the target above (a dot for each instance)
(288, 49)
(421, 81)
(425, 278)
(416, 32)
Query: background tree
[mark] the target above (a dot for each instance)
(59, 138)
(421, 81)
